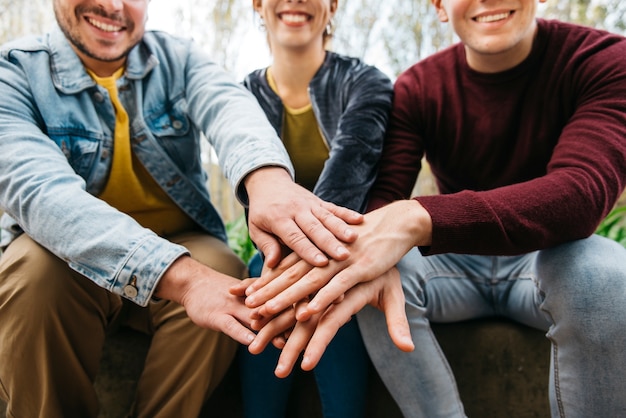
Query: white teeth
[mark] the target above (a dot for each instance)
(105, 27)
(492, 18)
(293, 18)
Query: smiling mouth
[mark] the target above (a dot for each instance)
(293, 17)
(104, 26)
(493, 18)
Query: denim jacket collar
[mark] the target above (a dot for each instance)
(68, 72)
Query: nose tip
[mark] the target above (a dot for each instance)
(111, 4)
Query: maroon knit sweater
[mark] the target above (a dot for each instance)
(524, 159)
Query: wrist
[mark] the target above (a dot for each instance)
(175, 280)
(266, 175)
(417, 221)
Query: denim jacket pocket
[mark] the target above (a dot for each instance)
(173, 131)
(169, 121)
(80, 151)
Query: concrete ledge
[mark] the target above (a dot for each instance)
(501, 369)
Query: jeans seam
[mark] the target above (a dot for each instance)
(557, 386)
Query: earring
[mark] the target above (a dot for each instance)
(261, 24)
(329, 28)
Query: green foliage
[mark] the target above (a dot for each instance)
(239, 240)
(614, 225)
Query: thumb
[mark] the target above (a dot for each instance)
(267, 244)
(397, 322)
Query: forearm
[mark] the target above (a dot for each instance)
(399, 166)
(515, 219)
(356, 148)
(48, 200)
(233, 122)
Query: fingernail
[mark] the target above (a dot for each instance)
(250, 301)
(320, 259)
(341, 250)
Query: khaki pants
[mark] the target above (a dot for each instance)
(53, 323)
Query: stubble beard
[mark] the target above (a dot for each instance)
(75, 38)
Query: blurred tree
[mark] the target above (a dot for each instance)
(218, 25)
(603, 14)
(20, 17)
(363, 18)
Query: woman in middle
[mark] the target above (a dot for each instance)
(331, 112)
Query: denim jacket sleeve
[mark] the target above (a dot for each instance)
(48, 199)
(233, 122)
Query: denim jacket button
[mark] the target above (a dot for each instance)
(130, 291)
(98, 97)
(177, 124)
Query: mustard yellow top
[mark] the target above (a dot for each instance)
(130, 188)
(303, 140)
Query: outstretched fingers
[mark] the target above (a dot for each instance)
(328, 326)
(271, 329)
(290, 282)
(311, 232)
(295, 344)
(292, 267)
(338, 220)
(384, 293)
(240, 288)
(294, 289)
(333, 288)
(234, 329)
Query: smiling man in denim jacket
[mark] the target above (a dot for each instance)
(108, 219)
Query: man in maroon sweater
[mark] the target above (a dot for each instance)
(524, 126)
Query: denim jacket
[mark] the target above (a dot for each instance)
(351, 102)
(56, 141)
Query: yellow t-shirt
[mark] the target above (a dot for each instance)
(304, 142)
(130, 188)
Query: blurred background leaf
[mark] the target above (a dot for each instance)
(614, 225)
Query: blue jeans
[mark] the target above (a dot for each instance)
(576, 292)
(341, 375)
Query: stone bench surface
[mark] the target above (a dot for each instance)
(501, 370)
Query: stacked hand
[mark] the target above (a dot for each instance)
(338, 289)
(313, 334)
(294, 218)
